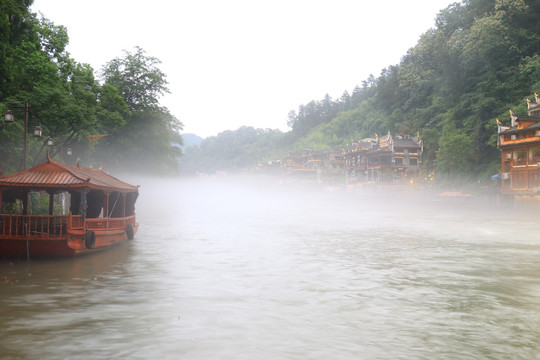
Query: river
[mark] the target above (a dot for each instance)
(226, 269)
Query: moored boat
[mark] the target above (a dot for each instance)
(88, 210)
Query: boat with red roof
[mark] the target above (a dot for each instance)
(55, 209)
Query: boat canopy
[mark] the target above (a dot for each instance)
(56, 175)
(93, 193)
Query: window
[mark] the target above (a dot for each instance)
(534, 155)
(520, 157)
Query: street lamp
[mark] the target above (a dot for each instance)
(9, 118)
(37, 131)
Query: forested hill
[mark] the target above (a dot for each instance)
(480, 60)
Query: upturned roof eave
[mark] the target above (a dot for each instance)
(520, 144)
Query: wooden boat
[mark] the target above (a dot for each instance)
(88, 210)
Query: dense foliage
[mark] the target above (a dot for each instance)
(73, 107)
(480, 60)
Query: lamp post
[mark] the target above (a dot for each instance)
(9, 118)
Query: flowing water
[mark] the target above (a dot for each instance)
(260, 270)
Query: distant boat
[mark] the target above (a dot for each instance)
(88, 211)
(455, 197)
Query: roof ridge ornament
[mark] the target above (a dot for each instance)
(513, 117)
(48, 155)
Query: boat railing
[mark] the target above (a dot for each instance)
(41, 226)
(108, 223)
(46, 226)
(76, 222)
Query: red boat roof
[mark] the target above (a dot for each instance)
(54, 174)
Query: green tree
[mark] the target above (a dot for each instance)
(430, 138)
(138, 78)
(151, 135)
(455, 154)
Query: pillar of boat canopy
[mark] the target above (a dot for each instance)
(75, 201)
(1, 192)
(83, 206)
(123, 212)
(114, 202)
(25, 202)
(106, 204)
(51, 202)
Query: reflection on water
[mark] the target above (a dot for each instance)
(229, 270)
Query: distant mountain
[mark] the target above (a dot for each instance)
(191, 139)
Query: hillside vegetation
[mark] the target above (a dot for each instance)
(112, 117)
(480, 60)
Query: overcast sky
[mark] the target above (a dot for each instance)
(232, 63)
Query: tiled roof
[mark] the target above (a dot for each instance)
(514, 129)
(53, 174)
(528, 118)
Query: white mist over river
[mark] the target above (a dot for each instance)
(227, 269)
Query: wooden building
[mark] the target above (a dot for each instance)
(520, 154)
(314, 165)
(356, 160)
(388, 159)
(305, 165)
(380, 160)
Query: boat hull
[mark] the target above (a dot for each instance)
(72, 243)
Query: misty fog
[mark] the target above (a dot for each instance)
(244, 200)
